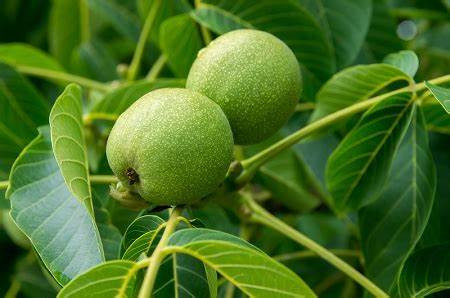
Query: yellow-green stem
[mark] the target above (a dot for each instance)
(138, 53)
(156, 68)
(259, 215)
(158, 255)
(4, 185)
(88, 118)
(252, 164)
(63, 76)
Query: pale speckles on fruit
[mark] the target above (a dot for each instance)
(177, 141)
(254, 77)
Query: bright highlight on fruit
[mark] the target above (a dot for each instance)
(172, 146)
(254, 77)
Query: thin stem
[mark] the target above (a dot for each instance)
(156, 68)
(262, 216)
(89, 118)
(84, 21)
(417, 13)
(158, 255)
(138, 53)
(13, 290)
(63, 76)
(102, 179)
(205, 32)
(328, 282)
(305, 106)
(311, 254)
(252, 164)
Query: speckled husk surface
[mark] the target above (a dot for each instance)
(178, 142)
(254, 77)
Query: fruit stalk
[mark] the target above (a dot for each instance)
(252, 164)
(259, 215)
(158, 255)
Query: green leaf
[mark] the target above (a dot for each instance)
(181, 275)
(382, 38)
(119, 17)
(356, 171)
(91, 59)
(442, 94)
(284, 176)
(64, 30)
(406, 61)
(427, 271)
(19, 55)
(347, 23)
(392, 225)
(117, 101)
(69, 146)
(111, 279)
(284, 18)
(211, 277)
(436, 117)
(23, 109)
(60, 228)
(180, 41)
(110, 235)
(354, 84)
(249, 269)
(141, 237)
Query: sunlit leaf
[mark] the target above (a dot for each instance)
(180, 41)
(111, 279)
(406, 61)
(66, 126)
(18, 54)
(355, 84)
(249, 269)
(391, 226)
(356, 171)
(442, 94)
(60, 228)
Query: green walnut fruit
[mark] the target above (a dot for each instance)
(172, 146)
(254, 77)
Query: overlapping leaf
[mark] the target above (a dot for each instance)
(180, 41)
(117, 101)
(356, 170)
(60, 228)
(436, 117)
(141, 236)
(23, 109)
(111, 279)
(355, 84)
(69, 145)
(406, 61)
(427, 271)
(391, 226)
(442, 94)
(249, 269)
(347, 23)
(283, 18)
(24, 55)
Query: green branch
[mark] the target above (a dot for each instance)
(94, 179)
(158, 255)
(258, 214)
(84, 21)
(138, 53)
(252, 164)
(156, 68)
(63, 76)
(89, 118)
